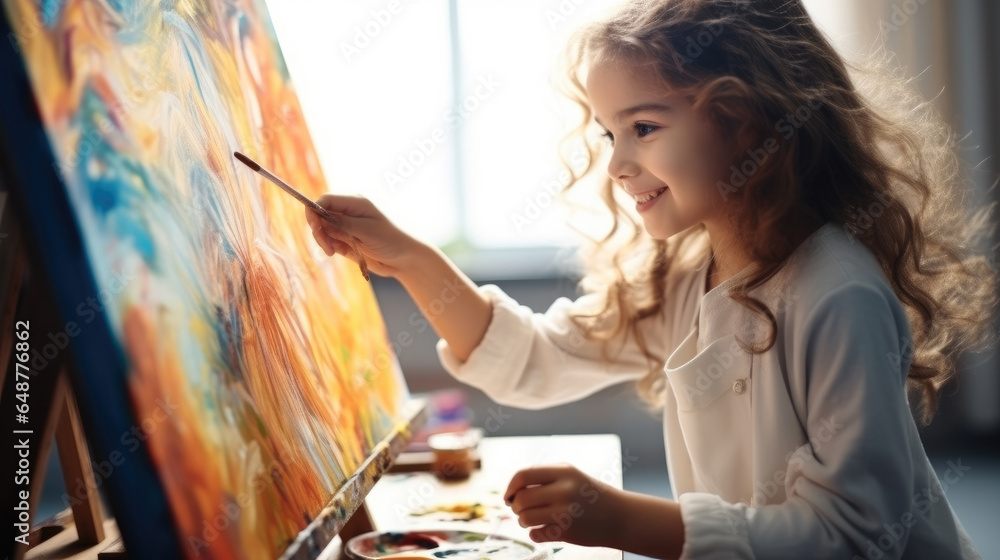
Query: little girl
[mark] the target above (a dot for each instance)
(805, 266)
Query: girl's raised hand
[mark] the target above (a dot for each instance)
(564, 504)
(385, 247)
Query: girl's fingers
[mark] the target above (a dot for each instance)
(549, 533)
(532, 475)
(539, 516)
(312, 218)
(332, 231)
(346, 215)
(345, 204)
(323, 240)
(346, 228)
(332, 246)
(533, 497)
(342, 248)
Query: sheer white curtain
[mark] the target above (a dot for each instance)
(952, 50)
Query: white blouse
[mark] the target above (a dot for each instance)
(808, 450)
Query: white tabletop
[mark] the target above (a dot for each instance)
(396, 497)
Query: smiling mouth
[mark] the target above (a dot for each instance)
(649, 196)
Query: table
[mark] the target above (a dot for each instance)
(394, 498)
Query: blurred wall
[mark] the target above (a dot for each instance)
(952, 51)
(614, 410)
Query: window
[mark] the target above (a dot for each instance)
(443, 111)
(440, 111)
(374, 84)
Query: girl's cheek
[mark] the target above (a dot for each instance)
(703, 165)
(678, 166)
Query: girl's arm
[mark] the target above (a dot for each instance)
(651, 526)
(449, 300)
(488, 340)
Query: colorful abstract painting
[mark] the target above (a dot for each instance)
(259, 371)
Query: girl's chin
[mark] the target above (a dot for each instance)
(659, 230)
(662, 231)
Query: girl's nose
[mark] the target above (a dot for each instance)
(621, 165)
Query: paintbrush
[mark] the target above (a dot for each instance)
(323, 212)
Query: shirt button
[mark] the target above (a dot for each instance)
(739, 386)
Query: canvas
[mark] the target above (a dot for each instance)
(250, 371)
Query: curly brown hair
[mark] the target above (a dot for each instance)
(873, 156)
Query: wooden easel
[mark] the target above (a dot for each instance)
(53, 409)
(54, 412)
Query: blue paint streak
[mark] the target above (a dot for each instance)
(122, 190)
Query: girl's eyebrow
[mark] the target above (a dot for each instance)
(654, 107)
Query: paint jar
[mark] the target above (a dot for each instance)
(453, 453)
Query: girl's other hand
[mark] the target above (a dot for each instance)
(386, 248)
(562, 503)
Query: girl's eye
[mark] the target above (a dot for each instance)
(643, 129)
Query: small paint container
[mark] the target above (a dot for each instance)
(453, 458)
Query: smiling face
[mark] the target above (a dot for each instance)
(659, 141)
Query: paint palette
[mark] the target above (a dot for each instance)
(441, 544)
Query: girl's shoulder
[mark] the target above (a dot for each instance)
(830, 264)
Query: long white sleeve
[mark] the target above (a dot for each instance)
(853, 485)
(536, 360)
